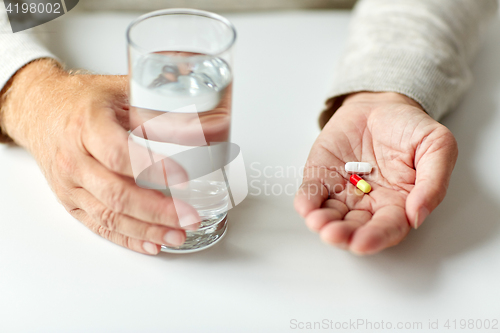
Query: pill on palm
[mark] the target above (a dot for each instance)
(358, 167)
(360, 183)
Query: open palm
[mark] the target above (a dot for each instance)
(412, 155)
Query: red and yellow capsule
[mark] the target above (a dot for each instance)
(360, 183)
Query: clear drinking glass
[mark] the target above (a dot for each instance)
(180, 72)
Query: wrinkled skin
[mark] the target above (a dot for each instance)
(76, 126)
(413, 157)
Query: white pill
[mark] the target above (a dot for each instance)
(358, 167)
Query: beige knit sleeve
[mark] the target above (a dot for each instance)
(420, 48)
(16, 50)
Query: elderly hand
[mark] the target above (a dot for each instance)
(76, 128)
(413, 157)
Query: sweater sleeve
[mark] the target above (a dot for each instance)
(420, 48)
(16, 50)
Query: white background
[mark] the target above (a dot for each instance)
(57, 276)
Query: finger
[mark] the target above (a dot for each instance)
(314, 191)
(151, 167)
(113, 236)
(108, 142)
(124, 224)
(310, 196)
(123, 196)
(183, 128)
(434, 168)
(387, 227)
(331, 210)
(339, 233)
(160, 175)
(319, 183)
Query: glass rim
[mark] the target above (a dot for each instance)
(183, 11)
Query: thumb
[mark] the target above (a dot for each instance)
(435, 159)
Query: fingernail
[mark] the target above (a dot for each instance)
(150, 248)
(193, 227)
(359, 254)
(174, 237)
(342, 246)
(189, 222)
(421, 216)
(364, 254)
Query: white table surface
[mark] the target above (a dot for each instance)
(57, 276)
